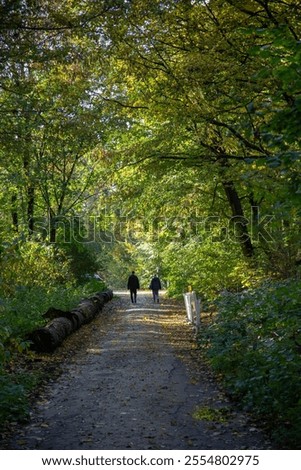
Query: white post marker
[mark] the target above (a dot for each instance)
(188, 305)
(193, 309)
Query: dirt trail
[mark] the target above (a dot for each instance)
(135, 383)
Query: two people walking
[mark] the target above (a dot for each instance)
(133, 285)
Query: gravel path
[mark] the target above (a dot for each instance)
(135, 382)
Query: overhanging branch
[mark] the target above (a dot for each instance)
(196, 160)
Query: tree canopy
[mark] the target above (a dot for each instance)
(171, 127)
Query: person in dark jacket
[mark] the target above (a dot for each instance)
(155, 286)
(133, 285)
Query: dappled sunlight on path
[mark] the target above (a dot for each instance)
(135, 385)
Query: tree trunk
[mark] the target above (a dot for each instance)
(239, 221)
(30, 190)
(30, 210)
(14, 212)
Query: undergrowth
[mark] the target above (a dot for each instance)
(254, 343)
(19, 315)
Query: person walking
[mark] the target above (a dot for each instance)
(155, 286)
(133, 285)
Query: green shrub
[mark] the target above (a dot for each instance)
(14, 392)
(208, 268)
(33, 264)
(82, 259)
(255, 344)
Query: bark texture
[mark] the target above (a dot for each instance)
(62, 324)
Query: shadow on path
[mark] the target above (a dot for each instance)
(134, 387)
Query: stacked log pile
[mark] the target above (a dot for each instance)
(62, 324)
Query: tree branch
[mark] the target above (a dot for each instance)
(237, 134)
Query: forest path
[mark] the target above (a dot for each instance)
(133, 380)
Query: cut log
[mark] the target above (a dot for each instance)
(89, 309)
(77, 318)
(49, 337)
(54, 313)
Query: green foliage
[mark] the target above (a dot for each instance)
(281, 58)
(208, 266)
(33, 277)
(32, 264)
(14, 393)
(255, 344)
(82, 260)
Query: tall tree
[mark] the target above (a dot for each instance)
(192, 74)
(51, 117)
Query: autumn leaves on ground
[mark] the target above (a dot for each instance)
(133, 379)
